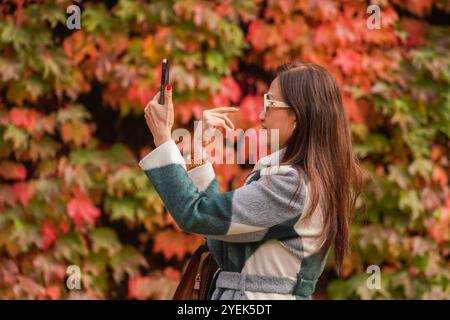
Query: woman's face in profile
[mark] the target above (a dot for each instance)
(278, 118)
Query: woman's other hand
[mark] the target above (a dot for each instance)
(159, 117)
(213, 119)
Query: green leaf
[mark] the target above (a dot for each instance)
(373, 144)
(20, 38)
(127, 262)
(410, 200)
(105, 239)
(73, 112)
(19, 137)
(26, 235)
(127, 10)
(70, 247)
(52, 14)
(215, 61)
(125, 208)
(97, 19)
(35, 87)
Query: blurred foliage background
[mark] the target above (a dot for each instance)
(72, 131)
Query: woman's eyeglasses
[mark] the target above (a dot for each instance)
(273, 103)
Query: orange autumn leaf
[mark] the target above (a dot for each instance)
(175, 244)
(440, 176)
(440, 230)
(79, 133)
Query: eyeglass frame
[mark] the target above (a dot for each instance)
(273, 103)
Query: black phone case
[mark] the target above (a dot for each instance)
(164, 79)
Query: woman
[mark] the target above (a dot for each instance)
(272, 236)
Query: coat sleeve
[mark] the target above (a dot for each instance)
(262, 209)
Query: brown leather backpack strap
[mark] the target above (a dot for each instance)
(200, 276)
(185, 287)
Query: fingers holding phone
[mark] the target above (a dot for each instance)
(167, 96)
(160, 117)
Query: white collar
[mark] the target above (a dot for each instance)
(270, 160)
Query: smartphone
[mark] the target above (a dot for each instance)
(164, 79)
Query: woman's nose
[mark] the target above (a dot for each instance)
(262, 115)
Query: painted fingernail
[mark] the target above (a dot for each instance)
(168, 87)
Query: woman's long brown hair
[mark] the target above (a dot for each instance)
(321, 148)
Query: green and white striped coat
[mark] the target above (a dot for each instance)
(256, 233)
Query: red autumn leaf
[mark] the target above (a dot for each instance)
(132, 288)
(64, 227)
(291, 29)
(139, 287)
(12, 170)
(188, 110)
(81, 209)
(229, 87)
(348, 60)
(319, 10)
(140, 93)
(345, 33)
(390, 17)
(416, 31)
(23, 118)
(328, 9)
(229, 92)
(219, 100)
(258, 34)
(49, 234)
(222, 10)
(323, 35)
(53, 292)
(23, 192)
(251, 107)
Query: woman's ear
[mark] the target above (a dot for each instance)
(293, 119)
